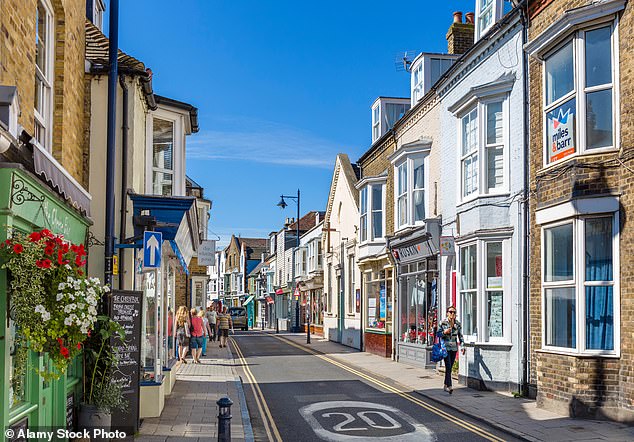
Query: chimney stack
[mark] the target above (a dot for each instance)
(460, 35)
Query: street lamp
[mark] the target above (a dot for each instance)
(282, 204)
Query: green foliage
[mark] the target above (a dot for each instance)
(51, 301)
(100, 361)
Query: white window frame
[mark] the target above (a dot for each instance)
(365, 188)
(178, 153)
(496, 7)
(579, 91)
(579, 283)
(480, 107)
(481, 335)
(408, 164)
(351, 266)
(376, 122)
(418, 87)
(45, 121)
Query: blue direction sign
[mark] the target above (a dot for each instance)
(152, 242)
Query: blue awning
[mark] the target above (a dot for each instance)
(176, 219)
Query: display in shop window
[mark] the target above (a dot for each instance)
(561, 131)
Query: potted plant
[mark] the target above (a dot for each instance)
(102, 396)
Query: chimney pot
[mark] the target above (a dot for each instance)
(470, 16)
(457, 17)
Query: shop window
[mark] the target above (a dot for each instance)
(579, 284)
(378, 300)
(482, 149)
(482, 290)
(418, 300)
(18, 366)
(580, 112)
(149, 320)
(44, 64)
(351, 271)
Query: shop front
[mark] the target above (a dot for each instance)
(416, 256)
(28, 205)
(312, 302)
(175, 218)
(377, 306)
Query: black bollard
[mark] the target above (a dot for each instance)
(277, 325)
(224, 419)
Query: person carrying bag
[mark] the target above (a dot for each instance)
(451, 333)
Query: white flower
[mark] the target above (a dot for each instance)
(46, 316)
(68, 321)
(71, 296)
(92, 310)
(106, 288)
(68, 267)
(69, 280)
(60, 296)
(61, 286)
(40, 309)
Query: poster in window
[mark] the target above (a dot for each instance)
(561, 131)
(358, 301)
(495, 314)
(382, 305)
(371, 302)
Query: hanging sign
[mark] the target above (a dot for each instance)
(447, 246)
(207, 253)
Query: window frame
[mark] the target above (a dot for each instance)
(376, 122)
(580, 91)
(47, 79)
(178, 152)
(579, 283)
(482, 148)
(497, 10)
(481, 333)
(407, 162)
(365, 190)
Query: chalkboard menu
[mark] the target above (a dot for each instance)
(126, 308)
(70, 411)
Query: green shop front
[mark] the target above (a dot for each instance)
(28, 204)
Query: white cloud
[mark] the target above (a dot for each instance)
(262, 142)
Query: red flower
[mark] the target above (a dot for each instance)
(49, 250)
(35, 236)
(78, 261)
(60, 258)
(81, 251)
(65, 247)
(38, 264)
(60, 341)
(74, 248)
(79, 346)
(17, 248)
(80, 273)
(7, 242)
(89, 333)
(46, 264)
(64, 351)
(47, 233)
(59, 241)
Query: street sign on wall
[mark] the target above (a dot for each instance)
(152, 244)
(207, 253)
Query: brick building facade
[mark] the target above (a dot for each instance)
(581, 144)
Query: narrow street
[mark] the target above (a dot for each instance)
(294, 394)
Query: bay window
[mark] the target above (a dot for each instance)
(410, 191)
(483, 288)
(44, 64)
(578, 284)
(483, 145)
(579, 98)
(371, 213)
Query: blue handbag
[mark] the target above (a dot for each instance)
(438, 351)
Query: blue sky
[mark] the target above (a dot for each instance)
(281, 88)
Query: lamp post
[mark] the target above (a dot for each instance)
(282, 204)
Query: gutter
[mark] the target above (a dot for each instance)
(145, 78)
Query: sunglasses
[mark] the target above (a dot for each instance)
(452, 311)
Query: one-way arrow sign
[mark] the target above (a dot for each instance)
(152, 242)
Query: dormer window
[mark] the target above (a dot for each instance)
(487, 13)
(385, 113)
(426, 70)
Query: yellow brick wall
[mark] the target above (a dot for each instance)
(583, 386)
(17, 68)
(375, 163)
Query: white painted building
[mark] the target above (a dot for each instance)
(482, 191)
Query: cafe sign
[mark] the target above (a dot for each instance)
(412, 253)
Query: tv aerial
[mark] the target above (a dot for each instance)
(403, 60)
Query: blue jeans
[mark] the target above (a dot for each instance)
(449, 360)
(204, 345)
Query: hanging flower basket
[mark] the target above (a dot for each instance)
(51, 300)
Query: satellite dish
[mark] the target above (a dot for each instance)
(403, 60)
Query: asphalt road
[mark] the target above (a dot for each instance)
(296, 396)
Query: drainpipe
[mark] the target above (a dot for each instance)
(526, 221)
(124, 180)
(111, 144)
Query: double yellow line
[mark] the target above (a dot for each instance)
(271, 428)
(269, 424)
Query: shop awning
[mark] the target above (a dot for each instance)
(249, 299)
(279, 292)
(175, 218)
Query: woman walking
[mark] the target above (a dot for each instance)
(451, 331)
(224, 324)
(206, 330)
(182, 332)
(196, 341)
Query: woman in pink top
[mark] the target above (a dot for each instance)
(196, 341)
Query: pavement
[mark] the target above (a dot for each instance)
(518, 417)
(191, 412)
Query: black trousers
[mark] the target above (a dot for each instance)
(449, 360)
